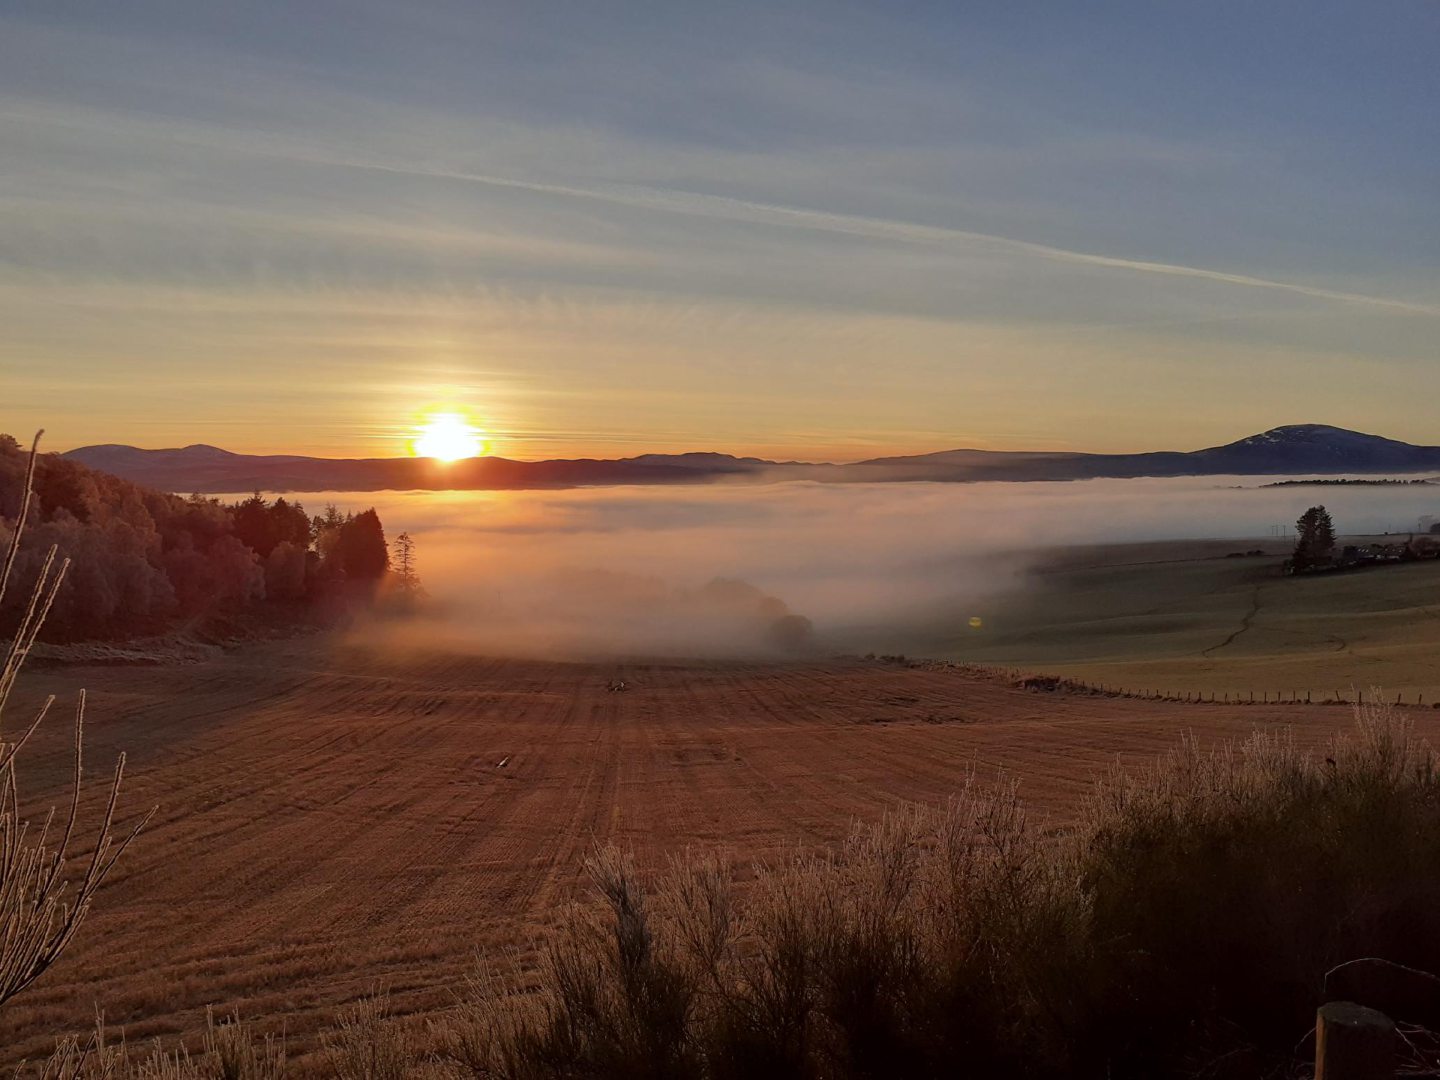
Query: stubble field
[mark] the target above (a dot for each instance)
(1180, 616)
(332, 821)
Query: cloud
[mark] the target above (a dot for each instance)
(296, 148)
(759, 213)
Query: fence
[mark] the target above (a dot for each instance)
(1030, 680)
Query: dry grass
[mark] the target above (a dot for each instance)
(229, 1051)
(1181, 926)
(367, 1043)
(1175, 616)
(1184, 928)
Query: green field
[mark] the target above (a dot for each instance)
(1180, 616)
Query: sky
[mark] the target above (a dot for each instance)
(820, 231)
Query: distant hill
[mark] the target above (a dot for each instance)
(209, 469)
(1294, 449)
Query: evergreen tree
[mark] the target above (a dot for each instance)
(361, 547)
(290, 524)
(1316, 543)
(325, 535)
(254, 525)
(405, 573)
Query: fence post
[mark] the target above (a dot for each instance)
(1353, 1043)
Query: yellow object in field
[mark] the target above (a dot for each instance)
(975, 622)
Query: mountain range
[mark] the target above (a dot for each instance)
(1290, 450)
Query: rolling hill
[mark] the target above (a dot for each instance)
(1289, 450)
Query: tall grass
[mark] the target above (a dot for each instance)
(1183, 928)
(229, 1051)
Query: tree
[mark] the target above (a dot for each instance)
(255, 525)
(1316, 543)
(361, 547)
(290, 524)
(285, 572)
(405, 574)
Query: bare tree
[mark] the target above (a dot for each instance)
(42, 903)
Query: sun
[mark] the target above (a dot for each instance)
(448, 437)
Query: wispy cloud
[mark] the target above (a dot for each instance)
(691, 204)
(730, 209)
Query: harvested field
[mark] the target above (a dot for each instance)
(1179, 616)
(331, 820)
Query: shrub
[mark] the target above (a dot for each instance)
(1184, 927)
(366, 1043)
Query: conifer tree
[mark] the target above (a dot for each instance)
(405, 573)
(1315, 545)
(363, 553)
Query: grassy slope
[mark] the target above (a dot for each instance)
(1176, 616)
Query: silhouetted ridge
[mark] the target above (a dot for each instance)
(1287, 450)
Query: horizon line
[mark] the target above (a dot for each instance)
(738, 456)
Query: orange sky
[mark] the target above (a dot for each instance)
(775, 231)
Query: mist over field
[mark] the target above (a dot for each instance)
(707, 570)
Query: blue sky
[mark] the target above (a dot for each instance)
(811, 230)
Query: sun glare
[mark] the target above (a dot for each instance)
(448, 437)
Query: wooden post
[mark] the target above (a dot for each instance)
(1353, 1043)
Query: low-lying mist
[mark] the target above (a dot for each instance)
(737, 570)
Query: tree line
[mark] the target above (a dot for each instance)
(144, 562)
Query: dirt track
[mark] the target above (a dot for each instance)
(330, 821)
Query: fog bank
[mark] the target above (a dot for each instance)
(601, 571)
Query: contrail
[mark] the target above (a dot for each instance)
(697, 204)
